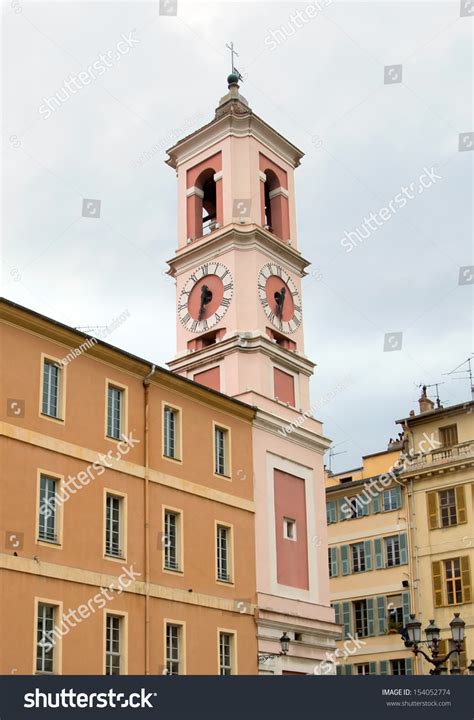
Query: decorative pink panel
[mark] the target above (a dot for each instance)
(284, 386)
(210, 378)
(292, 554)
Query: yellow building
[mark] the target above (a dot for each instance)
(369, 566)
(439, 484)
(401, 539)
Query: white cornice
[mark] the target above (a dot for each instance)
(230, 125)
(299, 435)
(245, 343)
(232, 237)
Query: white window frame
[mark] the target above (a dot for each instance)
(122, 522)
(169, 410)
(224, 559)
(289, 534)
(227, 667)
(167, 534)
(394, 542)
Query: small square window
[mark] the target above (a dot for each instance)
(289, 529)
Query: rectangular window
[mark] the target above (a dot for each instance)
(363, 669)
(453, 579)
(223, 553)
(391, 499)
(448, 435)
(113, 644)
(360, 618)
(173, 649)
(48, 512)
(395, 612)
(447, 507)
(45, 640)
(225, 653)
(392, 551)
(358, 557)
(170, 433)
(114, 412)
(289, 529)
(398, 667)
(51, 388)
(113, 526)
(221, 451)
(171, 540)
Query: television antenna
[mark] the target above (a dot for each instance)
(332, 454)
(436, 385)
(465, 372)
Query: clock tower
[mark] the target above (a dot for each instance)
(240, 315)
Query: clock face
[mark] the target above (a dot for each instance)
(280, 298)
(205, 297)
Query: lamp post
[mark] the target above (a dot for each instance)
(471, 668)
(285, 646)
(412, 636)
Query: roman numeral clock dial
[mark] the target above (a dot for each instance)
(280, 298)
(205, 297)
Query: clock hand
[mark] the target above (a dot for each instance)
(280, 300)
(206, 297)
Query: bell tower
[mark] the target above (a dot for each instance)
(240, 313)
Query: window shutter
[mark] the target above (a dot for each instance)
(437, 583)
(466, 580)
(373, 668)
(381, 615)
(408, 666)
(383, 665)
(365, 505)
(398, 494)
(334, 568)
(348, 670)
(346, 618)
(432, 501)
(338, 670)
(406, 607)
(331, 511)
(337, 611)
(340, 504)
(402, 539)
(376, 503)
(345, 565)
(370, 617)
(378, 548)
(460, 505)
(368, 554)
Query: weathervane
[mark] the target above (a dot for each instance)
(230, 46)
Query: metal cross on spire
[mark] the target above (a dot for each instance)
(230, 46)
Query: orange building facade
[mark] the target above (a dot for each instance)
(126, 510)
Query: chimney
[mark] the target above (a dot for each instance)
(425, 403)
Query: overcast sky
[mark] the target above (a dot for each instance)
(323, 88)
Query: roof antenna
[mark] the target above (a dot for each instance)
(466, 373)
(332, 454)
(436, 385)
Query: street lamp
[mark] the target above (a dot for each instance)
(412, 636)
(285, 646)
(471, 668)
